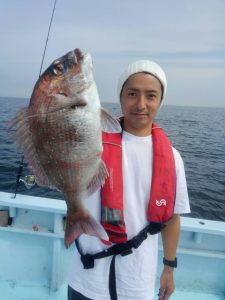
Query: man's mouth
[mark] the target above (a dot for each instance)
(139, 114)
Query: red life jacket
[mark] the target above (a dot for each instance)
(163, 185)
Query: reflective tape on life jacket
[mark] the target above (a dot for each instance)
(163, 185)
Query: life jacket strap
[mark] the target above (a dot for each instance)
(121, 248)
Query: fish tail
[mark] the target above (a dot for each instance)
(88, 226)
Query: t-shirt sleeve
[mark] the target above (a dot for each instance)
(182, 205)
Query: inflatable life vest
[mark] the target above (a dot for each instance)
(163, 185)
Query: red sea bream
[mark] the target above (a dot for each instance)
(59, 134)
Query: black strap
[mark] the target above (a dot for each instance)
(120, 248)
(112, 279)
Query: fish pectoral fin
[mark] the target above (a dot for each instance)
(109, 123)
(99, 179)
(88, 226)
(24, 139)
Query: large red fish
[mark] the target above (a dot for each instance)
(60, 136)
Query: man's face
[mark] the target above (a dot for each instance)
(140, 101)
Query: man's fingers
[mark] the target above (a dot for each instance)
(161, 293)
(164, 293)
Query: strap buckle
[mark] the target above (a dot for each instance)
(155, 228)
(88, 261)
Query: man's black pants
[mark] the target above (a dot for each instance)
(74, 295)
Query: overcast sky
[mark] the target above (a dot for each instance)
(187, 38)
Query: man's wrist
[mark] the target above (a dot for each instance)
(170, 263)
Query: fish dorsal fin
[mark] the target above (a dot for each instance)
(99, 179)
(23, 137)
(108, 123)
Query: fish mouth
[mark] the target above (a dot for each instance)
(78, 54)
(78, 105)
(69, 105)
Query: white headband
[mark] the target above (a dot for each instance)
(143, 66)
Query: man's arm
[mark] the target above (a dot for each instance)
(170, 237)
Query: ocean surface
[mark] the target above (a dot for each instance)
(198, 133)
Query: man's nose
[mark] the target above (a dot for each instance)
(141, 104)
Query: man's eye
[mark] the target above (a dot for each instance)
(131, 94)
(151, 96)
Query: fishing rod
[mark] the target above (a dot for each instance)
(29, 180)
(46, 42)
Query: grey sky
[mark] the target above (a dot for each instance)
(187, 38)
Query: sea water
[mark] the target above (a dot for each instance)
(198, 133)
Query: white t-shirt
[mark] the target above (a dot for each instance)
(135, 273)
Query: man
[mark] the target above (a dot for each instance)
(152, 191)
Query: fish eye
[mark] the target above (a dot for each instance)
(58, 69)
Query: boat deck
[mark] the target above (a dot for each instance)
(12, 292)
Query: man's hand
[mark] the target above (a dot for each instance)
(170, 236)
(166, 283)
